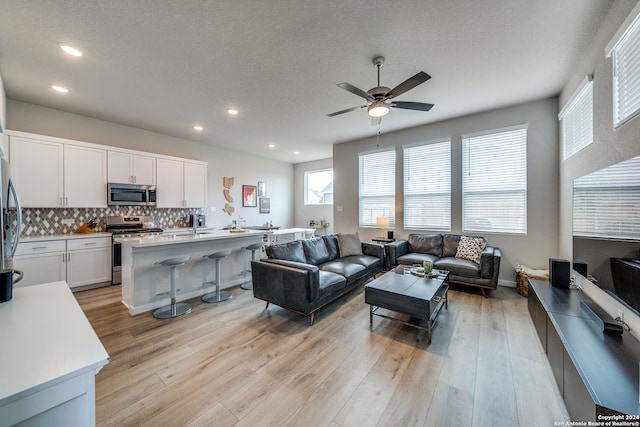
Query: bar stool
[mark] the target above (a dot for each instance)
(218, 295)
(174, 309)
(253, 248)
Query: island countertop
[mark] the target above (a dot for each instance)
(172, 239)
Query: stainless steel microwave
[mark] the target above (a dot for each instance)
(131, 195)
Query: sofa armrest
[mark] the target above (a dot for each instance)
(373, 249)
(490, 263)
(286, 283)
(393, 251)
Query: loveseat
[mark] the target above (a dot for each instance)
(304, 275)
(467, 258)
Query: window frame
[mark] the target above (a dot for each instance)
(306, 188)
(444, 172)
(576, 120)
(386, 207)
(496, 184)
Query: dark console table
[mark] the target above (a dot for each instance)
(597, 373)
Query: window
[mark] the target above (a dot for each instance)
(577, 120)
(625, 52)
(494, 181)
(377, 178)
(318, 187)
(427, 186)
(606, 203)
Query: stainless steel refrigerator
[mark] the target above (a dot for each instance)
(10, 226)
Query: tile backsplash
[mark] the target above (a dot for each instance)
(47, 221)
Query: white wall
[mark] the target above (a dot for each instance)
(609, 147)
(305, 213)
(245, 169)
(3, 107)
(541, 241)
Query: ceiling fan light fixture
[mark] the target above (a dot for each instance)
(378, 109)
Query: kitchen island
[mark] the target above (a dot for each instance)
(145, 285)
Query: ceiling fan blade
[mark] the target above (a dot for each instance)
(354, 90)
(419, 106)
(408, 84)
(346, 111)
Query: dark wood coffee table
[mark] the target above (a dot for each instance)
(420, 298)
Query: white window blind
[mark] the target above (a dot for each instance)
(427, 186)
(576, 120)
(494, 181)
(625, 52)
(377, 193)
(606, 203)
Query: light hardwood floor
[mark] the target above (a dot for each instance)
(237, 364)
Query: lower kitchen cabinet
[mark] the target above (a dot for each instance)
(81, 262)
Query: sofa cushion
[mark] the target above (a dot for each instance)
(470, 248)
(450, 244)
(459, 267)
(348, 270)
(330, 283)
(331, 241)
(365, 260)
(349, 244)
(291, 251)
(416, 258)
(315, 250)
(426, 244)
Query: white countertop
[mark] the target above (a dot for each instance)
(44, 337)
(63, 236)
(171, 239)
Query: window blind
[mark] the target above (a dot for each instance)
(606, 203)
(377, 187)
(625, 52)
(427, 186)
(494, 181)
(576, 120)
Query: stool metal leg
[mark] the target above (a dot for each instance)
(175, 308)
(218, 295)
(249, 285)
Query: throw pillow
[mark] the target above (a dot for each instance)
(349, 244)
(471, 248)
(291, 251)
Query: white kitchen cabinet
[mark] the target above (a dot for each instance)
(170, 183)
(41, 262)
(195, 184)
(130, 168)
(88, 261)
(80, 261)
(85, 177)
(49, 173)
(36, 171)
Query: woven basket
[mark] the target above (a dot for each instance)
(523, 273)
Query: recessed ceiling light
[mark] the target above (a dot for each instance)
(60, 89)
(232, 112)
(271, 145)
(296, 153)
(70, 50)
(198, 128)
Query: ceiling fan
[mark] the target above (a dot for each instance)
(380, 97)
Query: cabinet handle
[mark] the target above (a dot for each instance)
(436, 299)
(69, 256)
(35, 248)
(90, 243)
(61, 202)
(66, 201)
(63, 258)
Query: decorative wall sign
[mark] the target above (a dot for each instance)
(265, 205)
(227, 182)
(249, 198)
(262, 189)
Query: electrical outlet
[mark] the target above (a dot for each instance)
(68, 221)
(621, 315)
(213, 208)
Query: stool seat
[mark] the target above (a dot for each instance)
(253, 248)
(218, 295)
(174, 309)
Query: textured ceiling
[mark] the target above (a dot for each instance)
(165, 65)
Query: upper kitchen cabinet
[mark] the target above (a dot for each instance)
(131, 168)
(36, 171)
(181, 184)
(50, 173)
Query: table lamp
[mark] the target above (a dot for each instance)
(382, 222)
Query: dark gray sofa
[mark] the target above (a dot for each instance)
(441, 250)
(305, 275)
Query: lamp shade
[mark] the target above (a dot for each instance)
(378, 109)
(382, 221)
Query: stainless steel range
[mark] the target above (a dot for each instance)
(127, 226)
